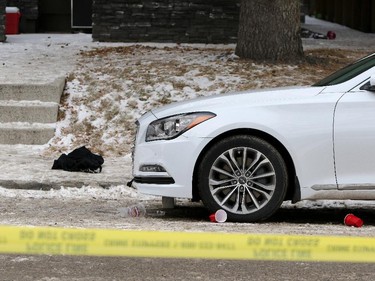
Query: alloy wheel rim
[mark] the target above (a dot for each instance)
(242, 180)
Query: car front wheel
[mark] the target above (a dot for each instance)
(245, 176)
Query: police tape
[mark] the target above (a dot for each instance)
(157, 244)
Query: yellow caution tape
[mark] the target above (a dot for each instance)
(101, 242)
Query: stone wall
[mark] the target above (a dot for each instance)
(2, 20)
(29, 14)
(195, 21)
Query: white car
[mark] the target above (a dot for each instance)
(248, 152)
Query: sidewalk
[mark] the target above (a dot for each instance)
(23, 167)
(37, 58)
(346, 38)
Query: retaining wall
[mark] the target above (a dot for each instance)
(195, 21)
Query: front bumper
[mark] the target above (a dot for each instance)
(177, 157)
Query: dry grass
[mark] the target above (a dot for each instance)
(111, 87)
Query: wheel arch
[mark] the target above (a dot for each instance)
(293, 192)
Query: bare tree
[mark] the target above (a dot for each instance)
(269, 30)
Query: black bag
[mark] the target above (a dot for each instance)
(79, 160)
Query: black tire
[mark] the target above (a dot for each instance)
(245, 176)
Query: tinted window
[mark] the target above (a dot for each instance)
(348, 72)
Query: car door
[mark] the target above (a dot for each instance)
(354, 139)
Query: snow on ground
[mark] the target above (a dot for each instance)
(109, 85)
(121, 191)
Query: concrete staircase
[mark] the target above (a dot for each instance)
(28, 113)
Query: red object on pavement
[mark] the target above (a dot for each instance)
(331, 35)
(352, 220)
(12, 20)
(218, 216)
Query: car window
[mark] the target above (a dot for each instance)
(348, 72)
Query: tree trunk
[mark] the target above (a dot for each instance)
(269, 30)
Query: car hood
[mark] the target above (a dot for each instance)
(246, 98)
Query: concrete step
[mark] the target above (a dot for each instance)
(45, 92)
(26, 133)
(28, 111)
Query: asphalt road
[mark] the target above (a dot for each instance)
(101, 213)
(59, 268)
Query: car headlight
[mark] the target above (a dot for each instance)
(173, 126)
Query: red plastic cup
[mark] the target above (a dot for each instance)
(352, 220)
(331, 35)
(218, 216)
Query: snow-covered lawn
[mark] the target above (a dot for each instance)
(111, 87)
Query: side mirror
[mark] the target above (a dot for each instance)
(370, 85)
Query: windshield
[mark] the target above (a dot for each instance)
(348, 72)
